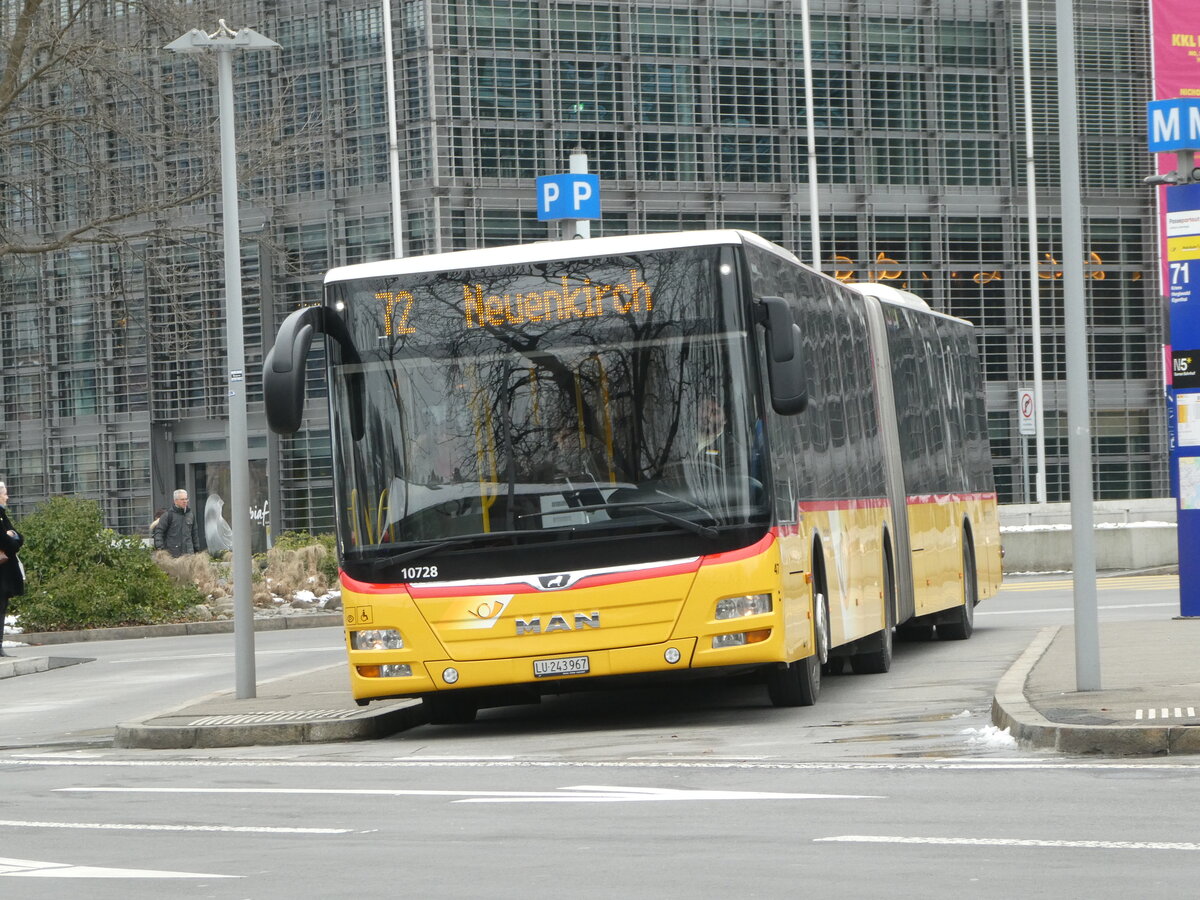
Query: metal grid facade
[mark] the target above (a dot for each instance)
(692, 113)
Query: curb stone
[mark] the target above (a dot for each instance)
(379, 723)
(1011, 709)
(12, 666)
(178, 629)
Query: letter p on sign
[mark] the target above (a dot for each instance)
(571, 196)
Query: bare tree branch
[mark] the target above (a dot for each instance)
(105, 138)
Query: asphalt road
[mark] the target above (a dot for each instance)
(124, 681)
(891, 786)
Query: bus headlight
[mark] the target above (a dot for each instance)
(747, 605)
(377, 639)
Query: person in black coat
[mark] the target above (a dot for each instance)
(176, 530)
(12, 575)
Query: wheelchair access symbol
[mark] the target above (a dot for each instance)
(359, 615)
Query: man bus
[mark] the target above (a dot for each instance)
(583, 463)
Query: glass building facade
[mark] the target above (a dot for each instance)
(692, 112)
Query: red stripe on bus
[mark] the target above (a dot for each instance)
(917, 499)
(853, 503)
(756, 549)
(366, 587)
(431, 590)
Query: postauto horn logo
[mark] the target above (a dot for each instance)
(488, 611)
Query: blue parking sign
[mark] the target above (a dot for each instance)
(571, 196)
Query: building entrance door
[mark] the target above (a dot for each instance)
(209, 489)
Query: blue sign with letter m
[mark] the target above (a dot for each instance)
(1173, 125)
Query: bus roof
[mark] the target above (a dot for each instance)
(885, 293)
(546, 251)
(890, 294)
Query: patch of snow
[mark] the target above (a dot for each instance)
(1066, 526)
(990, 736)
(1014, 529)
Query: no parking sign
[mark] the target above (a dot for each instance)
(1026, 412)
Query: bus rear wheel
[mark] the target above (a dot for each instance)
(962, 626)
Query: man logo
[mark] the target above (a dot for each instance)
(558, 622)
(554, 582)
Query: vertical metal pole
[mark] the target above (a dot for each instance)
(1087, 634)
(1025, 467)
(431, 96)
(814, 210)
(579, 166)
(1035, 306)
(389, 68)
(239, 454)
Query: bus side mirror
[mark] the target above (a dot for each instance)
(283, 369)
(785, 359)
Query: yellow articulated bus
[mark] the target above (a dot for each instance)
(592, 462)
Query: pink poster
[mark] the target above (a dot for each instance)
(1176, 28)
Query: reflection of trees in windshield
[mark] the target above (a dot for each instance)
(602, 399)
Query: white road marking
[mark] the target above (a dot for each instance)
(1165, 713)
(118, 826)
(574, 794)
(705, 758)
(952, 764)
(1008, 842)
(1123, 582)
(32, 868)
(460, 758)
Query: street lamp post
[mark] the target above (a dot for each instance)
(223, 42)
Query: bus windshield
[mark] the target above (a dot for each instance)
(536, 404)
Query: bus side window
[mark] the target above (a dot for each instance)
(906, 374)
(828, 373)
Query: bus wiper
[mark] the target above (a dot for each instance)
(705, 531)
(426, 549)
(649, 506)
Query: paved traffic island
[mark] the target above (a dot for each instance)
(1149, 705)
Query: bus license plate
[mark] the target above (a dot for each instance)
(569, 665)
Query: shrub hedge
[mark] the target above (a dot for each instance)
(83, 575)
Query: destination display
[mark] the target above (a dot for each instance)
(500, 304)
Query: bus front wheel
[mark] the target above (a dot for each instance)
(799, 683)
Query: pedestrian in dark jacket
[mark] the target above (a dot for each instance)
(12, 575)
(176, 530)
